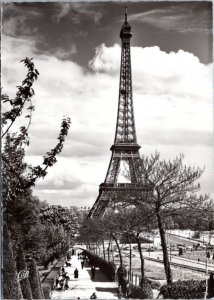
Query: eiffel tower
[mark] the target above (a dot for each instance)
(125, 147)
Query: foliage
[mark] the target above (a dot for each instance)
(154, 284)
(108, 268)
(60, 216)
(188, 289)
(46, 291)
(11, 286)
(23, 96)
(25, 284)
(19, 176)
(141, 292)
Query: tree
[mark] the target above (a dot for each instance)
(92, 233)
(18, 176)
(112, 226)
(173, 187)
(60, 216)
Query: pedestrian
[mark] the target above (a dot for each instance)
(82, 263)
(208, 254)
(213, 256)
(76, 273)
(93, 296)
(93, 271)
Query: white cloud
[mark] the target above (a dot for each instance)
(172, 101)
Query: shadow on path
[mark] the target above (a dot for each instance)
(99, 276)
(110, 290)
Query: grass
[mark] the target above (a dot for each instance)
(155, 271)
(199, 255)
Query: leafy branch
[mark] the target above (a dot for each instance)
(50, 158)
(23, 95)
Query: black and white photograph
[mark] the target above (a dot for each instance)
(107, 150)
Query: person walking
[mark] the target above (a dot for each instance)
(82, 263)
(76, 273)
(93, 271)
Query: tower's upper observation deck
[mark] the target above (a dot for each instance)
(125, 32)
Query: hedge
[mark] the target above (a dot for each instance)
(184, 289)
(108, 268)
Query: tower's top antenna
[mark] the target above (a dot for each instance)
(126, 14)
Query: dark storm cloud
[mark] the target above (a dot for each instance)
(169, 25)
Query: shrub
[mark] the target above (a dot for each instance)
(46, 291)
(141, 292)
(154, 284)
(187, 289)
(108, 268)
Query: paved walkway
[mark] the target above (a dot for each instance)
(83, 287)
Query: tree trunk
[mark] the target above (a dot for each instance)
(22, 266)
(119, 250)
(35, 282)
(167, 267)
(11, 285)
(104, 254)
(130, 258)
(141, 258)
(109, 243)
(112, 253)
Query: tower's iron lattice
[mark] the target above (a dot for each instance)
(125, 147)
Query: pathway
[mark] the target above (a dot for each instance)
(83, 287)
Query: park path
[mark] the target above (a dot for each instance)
(83, 287)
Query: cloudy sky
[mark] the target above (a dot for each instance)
(76, 48)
